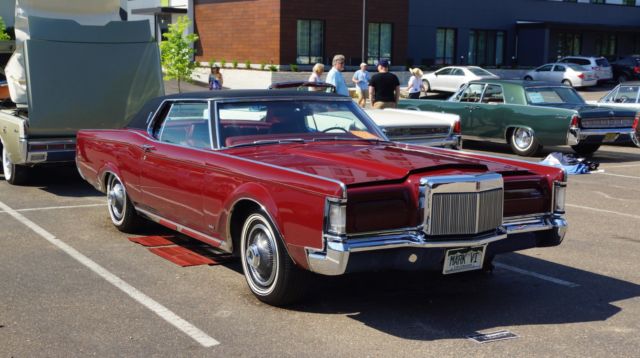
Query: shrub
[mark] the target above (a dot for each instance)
(293, 67)
(223, 63)
(212, 62)
(234, 63)
(247, 64)
(3, 30)
(263, 66)
(273, 68)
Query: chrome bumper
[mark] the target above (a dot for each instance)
(333, 260)
(39, 151)
(576, 136)
(453, 141)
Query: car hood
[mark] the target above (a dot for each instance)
(362, 162)
(390, 118)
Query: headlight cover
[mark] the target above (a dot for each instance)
(336, 217)
(559, 195)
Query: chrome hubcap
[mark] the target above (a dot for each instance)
(6, 164)
(260, 256)
(523, 138)
(116, 198)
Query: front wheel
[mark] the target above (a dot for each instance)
(585, 149)
(123, 215)
(524, 142)
(427, 86)
(14, 174)
(528, 78)
(567, 83)
(270, 273)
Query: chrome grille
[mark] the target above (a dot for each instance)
(613, 122)
(466, 213)
(403, 132)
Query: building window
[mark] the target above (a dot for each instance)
(445, 46)
(629, 2)
(569, 44)
(606, 45)
(597, 1)
(310, 42)
(380, 40)
(486, 47)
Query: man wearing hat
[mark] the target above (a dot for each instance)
(384, 87)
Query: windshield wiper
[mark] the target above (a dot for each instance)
(377, 140)
(269, 141)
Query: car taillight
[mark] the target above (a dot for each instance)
(581, 75)
(636, 69)
(635, 122)
(575, 121)
(457, 127)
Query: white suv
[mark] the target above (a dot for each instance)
(599, 65)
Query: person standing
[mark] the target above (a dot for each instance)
(415, 85)
(361, 79)
(315, 77)
(334, 76)
(384, 87)
(215, 78)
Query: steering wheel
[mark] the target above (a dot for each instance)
(332, 128)
(623, 99)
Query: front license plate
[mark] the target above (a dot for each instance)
(465, 259)
(610, 137)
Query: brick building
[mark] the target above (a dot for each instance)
(284, 32)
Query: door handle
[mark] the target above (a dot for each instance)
(148, 148)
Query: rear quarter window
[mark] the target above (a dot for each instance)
(602, 62)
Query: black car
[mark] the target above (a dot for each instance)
(626, 68)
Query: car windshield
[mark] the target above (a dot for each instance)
(267, 122)
(552, 95)
(479, 71)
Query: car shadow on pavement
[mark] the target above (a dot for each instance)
(605, 154)
(61, 181)
(430, 306)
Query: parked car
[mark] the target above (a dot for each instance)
(423, 128)
(626, 68)
(625, 95)
(280, 180)
(566, 73)
(599, 65)
(450, 79)
(529, 115)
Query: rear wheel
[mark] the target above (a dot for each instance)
(524, 142)
(567, 82)
(528, 78)
(123, 215)
(270, 273)
(585, 149)
(14, 174)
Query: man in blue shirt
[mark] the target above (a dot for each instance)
(361, 79)
(335, 77)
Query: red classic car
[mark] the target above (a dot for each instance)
(304, 181)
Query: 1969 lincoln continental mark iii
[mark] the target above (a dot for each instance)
(304, 181)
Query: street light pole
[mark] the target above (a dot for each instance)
(364, 27)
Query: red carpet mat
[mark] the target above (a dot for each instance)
(182, 251)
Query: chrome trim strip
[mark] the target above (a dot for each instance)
(207, 239)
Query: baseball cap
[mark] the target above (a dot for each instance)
(383, 63)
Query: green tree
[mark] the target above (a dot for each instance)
(3, 31)
(177, 53)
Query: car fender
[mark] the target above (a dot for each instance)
(108, 168)
(509, 127)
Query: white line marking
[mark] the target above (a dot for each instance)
(619, 175)
(173, 319)
(603, 211)
(55, 208)
(536, 275)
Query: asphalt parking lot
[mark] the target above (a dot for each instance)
(72, 285)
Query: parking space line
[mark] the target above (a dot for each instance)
(603, 211)
(536, 275)
(618, 175)
(163, 312)
(55, 208)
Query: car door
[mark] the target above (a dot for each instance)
(542, 73)
(557, 73)
(173, 165)
(441, 79)
(470, 97)
(489, 115)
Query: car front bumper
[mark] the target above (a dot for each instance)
(412, 249)
(602, 136)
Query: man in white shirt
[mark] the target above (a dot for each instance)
(335, 77)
